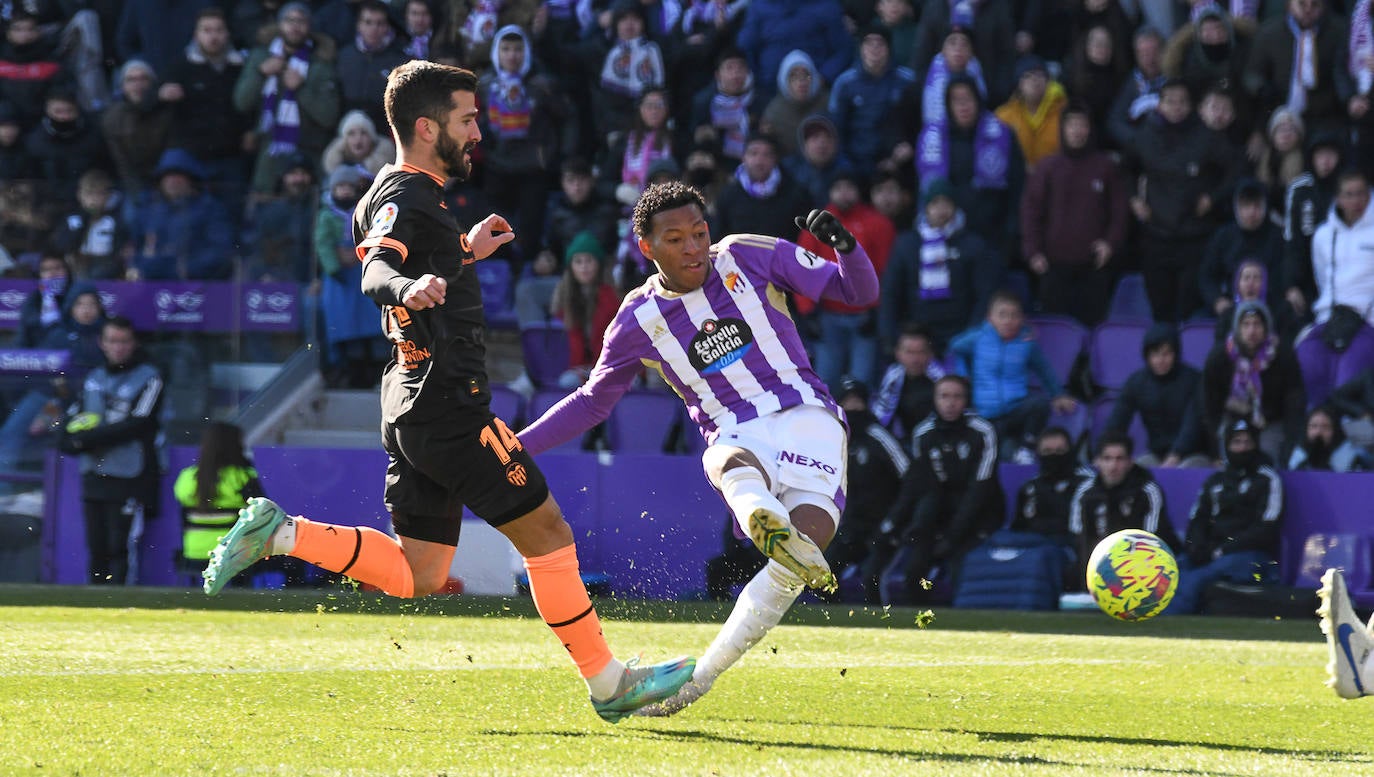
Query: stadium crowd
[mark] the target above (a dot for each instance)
(1003, 163)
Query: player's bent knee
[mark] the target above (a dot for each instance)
(815, 514)
(719, 459)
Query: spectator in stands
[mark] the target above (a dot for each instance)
(863, 99)
(1358, 89)
(1044, 502)
(761, 198)
(1120, 495)
(1095, 75)
(65, 144)
(893, 198)
(877, 463)
(1165, 393)
(136, 127)
(1282, 159)
(1034, 109)
(1217, 110)
(1342, 342)
(1185, 174)
(585, 301)
(990, 31)
(81, 34)
(1306, 205)
(848, 344)
(1211, 51)
(350, 318)
(802, 93)
(955, 58)
(154, 30)
(1294, 63)
(950, 499)
(1074, 221)
(772, 28)
(182, 232)
(358, 144)
(28, 429)
(338, 20)
(14, 162)
(898, 17)
(1325, 447)
(999, 357)
(25, 220)
(289, 83)
(418, 19)
(819, 161)
(280, 234)
(906, 395)
(1249, 237)
(725, 112)
(1137, 100)
(1233, 530)
(625, 166)
(29, 68)
(94, 238)
(114, 426)
(199, 87)
(533, 296)
(939, 275)
(42, 309)
(527, 126)
(365, 61)
(701, 33)
(1252, 375)
(578, 207)
(1251, 284)
(628, 67)
(1353, 405)
(979, 156)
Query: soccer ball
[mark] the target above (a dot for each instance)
(1132, 575)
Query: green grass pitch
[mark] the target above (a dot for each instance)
(159, 682)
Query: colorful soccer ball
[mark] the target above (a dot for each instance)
(1132, 575)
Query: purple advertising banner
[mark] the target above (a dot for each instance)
(178, 306)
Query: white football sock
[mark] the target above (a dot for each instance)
(605, 683)
(284, 538)
(761, 605)
(745, 491)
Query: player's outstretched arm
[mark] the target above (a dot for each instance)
(489, 234)
(856, 283)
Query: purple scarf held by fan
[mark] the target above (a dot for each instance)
(281, 114)
(1245, 381)
(936, 256)
(991, 153)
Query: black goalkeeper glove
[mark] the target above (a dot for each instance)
(828, 229)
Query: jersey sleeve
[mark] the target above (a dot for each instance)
(785, 264)
(390, 230)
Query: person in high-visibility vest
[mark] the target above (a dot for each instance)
(212, 491)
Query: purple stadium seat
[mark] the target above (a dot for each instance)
(1197, 337)
(1062, 339)
(1102, 410)
(1115, 352)
(641, 421)
(498, 301)
(1129, 301)
(505, 403)
(546, 353)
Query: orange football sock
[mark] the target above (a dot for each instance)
(362, 553)
(562, 601)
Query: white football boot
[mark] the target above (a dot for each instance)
(1349, 641)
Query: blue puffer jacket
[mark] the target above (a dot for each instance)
(1000, 369)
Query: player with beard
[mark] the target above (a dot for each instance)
(445, 447)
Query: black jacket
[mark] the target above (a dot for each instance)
(1306, 206)
(951, 495)
(1044, 502)
(1180, 163)
(1238, 509)
(1232, 245)
(974, 273)
(1168, 408)
(205, 121)
(1137, 502)
(876, 466)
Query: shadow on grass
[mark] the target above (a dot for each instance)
(348, 600)
(914, 754)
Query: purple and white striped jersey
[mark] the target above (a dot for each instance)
(729, 349)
